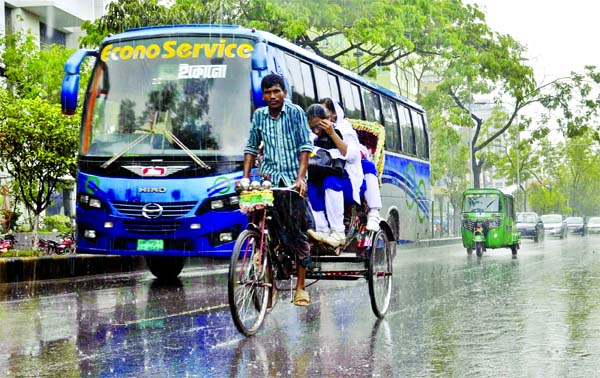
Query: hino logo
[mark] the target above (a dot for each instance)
(153, 190)
(152, 210)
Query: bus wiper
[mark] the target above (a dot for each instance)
(151, 131)
(193, 156)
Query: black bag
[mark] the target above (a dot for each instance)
(321, 165)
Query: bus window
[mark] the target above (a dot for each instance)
(408, 141)
(301, 82)
(323, 90)
(420, 136)
(351, 99)
(333, 86)
(372, 106)
(309, 86)
(392, 132)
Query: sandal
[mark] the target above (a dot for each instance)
(301, 298)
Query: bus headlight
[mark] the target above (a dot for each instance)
(95, 203)
(90, 234)
(87, 200)
(217, 204)
(225, 237)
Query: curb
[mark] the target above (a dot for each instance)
(432, 242)
(17, 269)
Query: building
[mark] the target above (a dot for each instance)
(51, 21)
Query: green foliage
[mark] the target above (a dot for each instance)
(59, 222)
(8, 220)
(31, 72)
(38, 145)
(543, 200)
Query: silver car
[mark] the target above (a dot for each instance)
(554, 225)
(593, 225)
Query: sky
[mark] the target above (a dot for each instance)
(561, 35)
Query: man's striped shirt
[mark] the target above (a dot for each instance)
(283, 139)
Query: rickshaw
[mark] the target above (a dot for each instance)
(488, 221)
(261, 265)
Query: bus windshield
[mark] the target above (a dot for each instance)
(175, 96)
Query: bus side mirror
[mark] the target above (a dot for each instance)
(259, 70)
(68, 94)
(70, 84)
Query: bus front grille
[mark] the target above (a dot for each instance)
(169, 209)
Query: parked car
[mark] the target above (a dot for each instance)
(593, 225)
(554, 225)
(575, 225)
(530, 226)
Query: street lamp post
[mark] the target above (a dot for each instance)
(358, 54)
(517, 155)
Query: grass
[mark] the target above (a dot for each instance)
(18, 253)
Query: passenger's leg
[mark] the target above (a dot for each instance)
(316, 203)
(372, 194)
(336, 189)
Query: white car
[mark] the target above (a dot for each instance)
(554, 225)
(593, 225)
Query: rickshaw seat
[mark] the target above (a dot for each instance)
(372, 136)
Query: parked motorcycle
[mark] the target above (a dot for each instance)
(7, 242)
(66, 245)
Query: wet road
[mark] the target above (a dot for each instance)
(451, 315)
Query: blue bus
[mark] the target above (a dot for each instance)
(165, 119)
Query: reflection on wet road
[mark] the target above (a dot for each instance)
(451, 315)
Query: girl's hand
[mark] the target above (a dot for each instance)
(327, 126)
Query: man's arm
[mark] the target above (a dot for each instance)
(248, 164)
(300, 180)
(252, 147)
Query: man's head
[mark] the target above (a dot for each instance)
(273, 91)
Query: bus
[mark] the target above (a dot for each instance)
(165, 120)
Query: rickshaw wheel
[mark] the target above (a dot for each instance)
(479, 249)
(250, 285)
(513, 249)
(380, 274)
(469, 251)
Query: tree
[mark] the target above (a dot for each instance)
(35, 152)
(30, 72)
(37, 146)
(449, 157)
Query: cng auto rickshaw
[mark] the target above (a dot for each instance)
(488, 221)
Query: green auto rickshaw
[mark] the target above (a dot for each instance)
(488, 221)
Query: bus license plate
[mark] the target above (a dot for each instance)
(150, 245)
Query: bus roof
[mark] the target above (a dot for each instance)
(271, 39)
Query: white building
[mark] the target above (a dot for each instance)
(51, 21)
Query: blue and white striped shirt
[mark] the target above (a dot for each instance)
(283, 139)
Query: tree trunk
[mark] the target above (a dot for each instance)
(35, 232)
(476, 168)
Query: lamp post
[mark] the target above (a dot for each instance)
(517, 156)
(358, 54)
